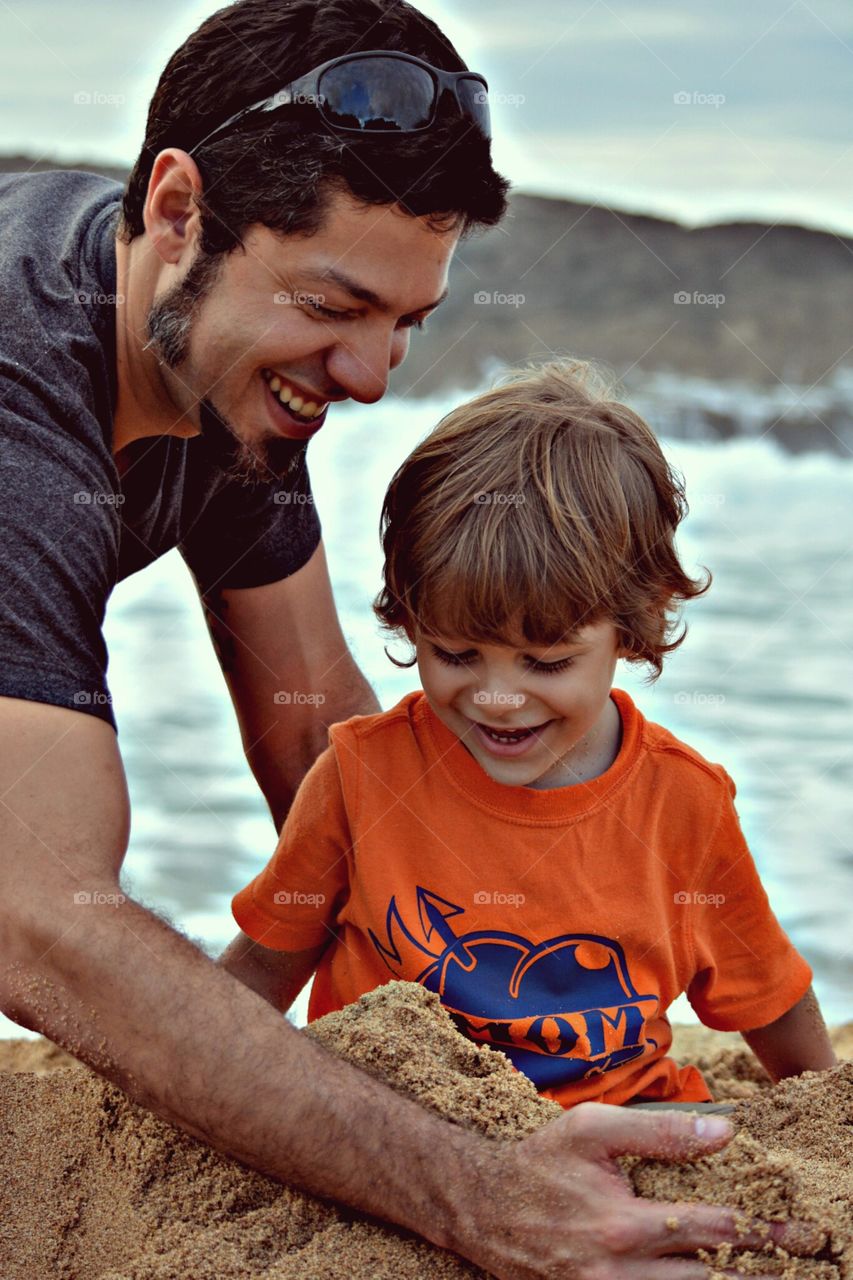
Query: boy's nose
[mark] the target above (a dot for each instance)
(499, 703)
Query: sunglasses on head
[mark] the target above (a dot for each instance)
(378, 91)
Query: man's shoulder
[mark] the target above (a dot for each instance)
(51, 210)
(57, 275)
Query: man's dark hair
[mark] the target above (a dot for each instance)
(279, 168)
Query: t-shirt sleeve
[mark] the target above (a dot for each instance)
(747, 971)
(252, 534)
(295, 901)
(59, 537)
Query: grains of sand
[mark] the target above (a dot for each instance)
(93, 1187)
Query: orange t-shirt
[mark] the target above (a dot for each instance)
(557, 926)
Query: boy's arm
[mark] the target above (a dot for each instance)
(276, 976)
(796, 1042)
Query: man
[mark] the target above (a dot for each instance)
(162, 372)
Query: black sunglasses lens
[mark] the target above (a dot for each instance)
(475, 103)
(377, 94)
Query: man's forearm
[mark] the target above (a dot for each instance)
(140, 1004)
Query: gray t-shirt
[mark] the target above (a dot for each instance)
(70, 528)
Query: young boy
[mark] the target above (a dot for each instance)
(517, 837)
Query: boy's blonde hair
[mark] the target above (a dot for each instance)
(538, 508)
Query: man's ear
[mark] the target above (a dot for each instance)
(171, 215)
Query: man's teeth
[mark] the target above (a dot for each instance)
(294, 402)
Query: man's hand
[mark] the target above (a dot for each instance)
(556, 1206)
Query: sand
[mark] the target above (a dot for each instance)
(94, 1188)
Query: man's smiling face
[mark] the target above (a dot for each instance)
(263, 340)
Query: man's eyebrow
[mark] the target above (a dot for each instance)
(363, 294)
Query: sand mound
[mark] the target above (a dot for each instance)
(94, 1188)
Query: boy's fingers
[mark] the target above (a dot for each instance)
(689, 1226)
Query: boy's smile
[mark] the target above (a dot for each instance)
(530, 716)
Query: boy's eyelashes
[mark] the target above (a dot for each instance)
(466, 658)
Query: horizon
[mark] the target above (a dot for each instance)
(87, 164)
(642, 107)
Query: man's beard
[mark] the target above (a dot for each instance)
(170, 323)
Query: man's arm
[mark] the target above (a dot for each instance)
(123, 991)
(289, 672)
(796, 1042)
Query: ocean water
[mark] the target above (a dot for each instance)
(763, 683)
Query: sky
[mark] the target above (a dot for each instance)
(701, 110)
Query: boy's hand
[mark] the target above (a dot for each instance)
(559, 1207)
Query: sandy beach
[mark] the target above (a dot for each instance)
(94, 1188)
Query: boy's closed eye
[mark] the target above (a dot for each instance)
(468, 657)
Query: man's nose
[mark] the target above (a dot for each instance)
(362, 367)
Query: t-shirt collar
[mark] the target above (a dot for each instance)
(527, 803)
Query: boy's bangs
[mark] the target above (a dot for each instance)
(494, 608)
